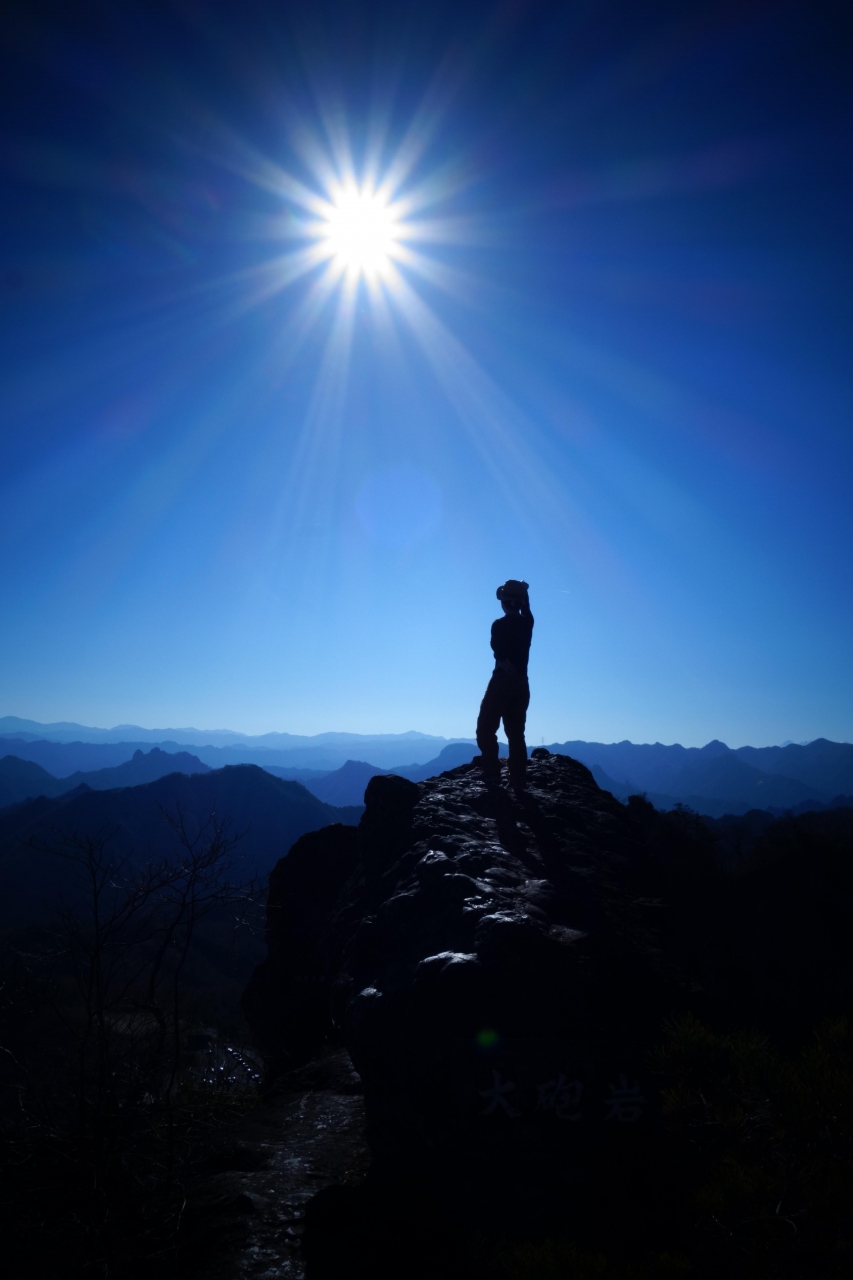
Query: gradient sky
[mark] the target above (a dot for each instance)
(615, 362)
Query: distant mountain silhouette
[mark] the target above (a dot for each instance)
(323, 749)
(450, 758)
(21, 779)
(144, 766)
(346, 785)
(715, 779)
(294, 775)
(826, 766)
(64, 758)
(712, 779)
(272, 813)
(816, 806)
(608, 784)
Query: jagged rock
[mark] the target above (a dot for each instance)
(288, 998)
(495, 967)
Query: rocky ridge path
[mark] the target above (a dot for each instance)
(245, 1212)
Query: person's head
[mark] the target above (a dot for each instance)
(512, 595)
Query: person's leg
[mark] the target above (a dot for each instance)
(488, 723)
(515, 718)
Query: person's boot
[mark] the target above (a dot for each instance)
(490, 769)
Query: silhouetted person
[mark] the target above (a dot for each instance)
(508, 692)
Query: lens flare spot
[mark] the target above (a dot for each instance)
(487, 1038)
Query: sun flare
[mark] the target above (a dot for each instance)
(361, 231)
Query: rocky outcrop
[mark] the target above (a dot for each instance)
(496, 967)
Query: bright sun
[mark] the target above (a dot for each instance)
(361, 231)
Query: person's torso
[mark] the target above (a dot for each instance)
(511, 636)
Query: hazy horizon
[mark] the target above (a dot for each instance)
(356, 733)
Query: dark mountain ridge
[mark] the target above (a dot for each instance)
(346, 785)
(713, 779)
(64, 758)
(143, 766)
(824, 767)
(23, 779)
(269, 812)
(278, 748)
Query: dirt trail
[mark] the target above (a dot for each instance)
(245, 1213)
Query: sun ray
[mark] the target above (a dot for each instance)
(368, 232)
(512, 446)
(307, 495)
(463, 286)
(423, 127)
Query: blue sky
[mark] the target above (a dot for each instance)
(613, 360)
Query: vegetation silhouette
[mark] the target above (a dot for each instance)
(101, 1115)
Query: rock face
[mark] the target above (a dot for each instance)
(495, 966)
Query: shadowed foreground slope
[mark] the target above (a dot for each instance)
(501, 970)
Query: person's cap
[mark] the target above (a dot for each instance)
(512, 589)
